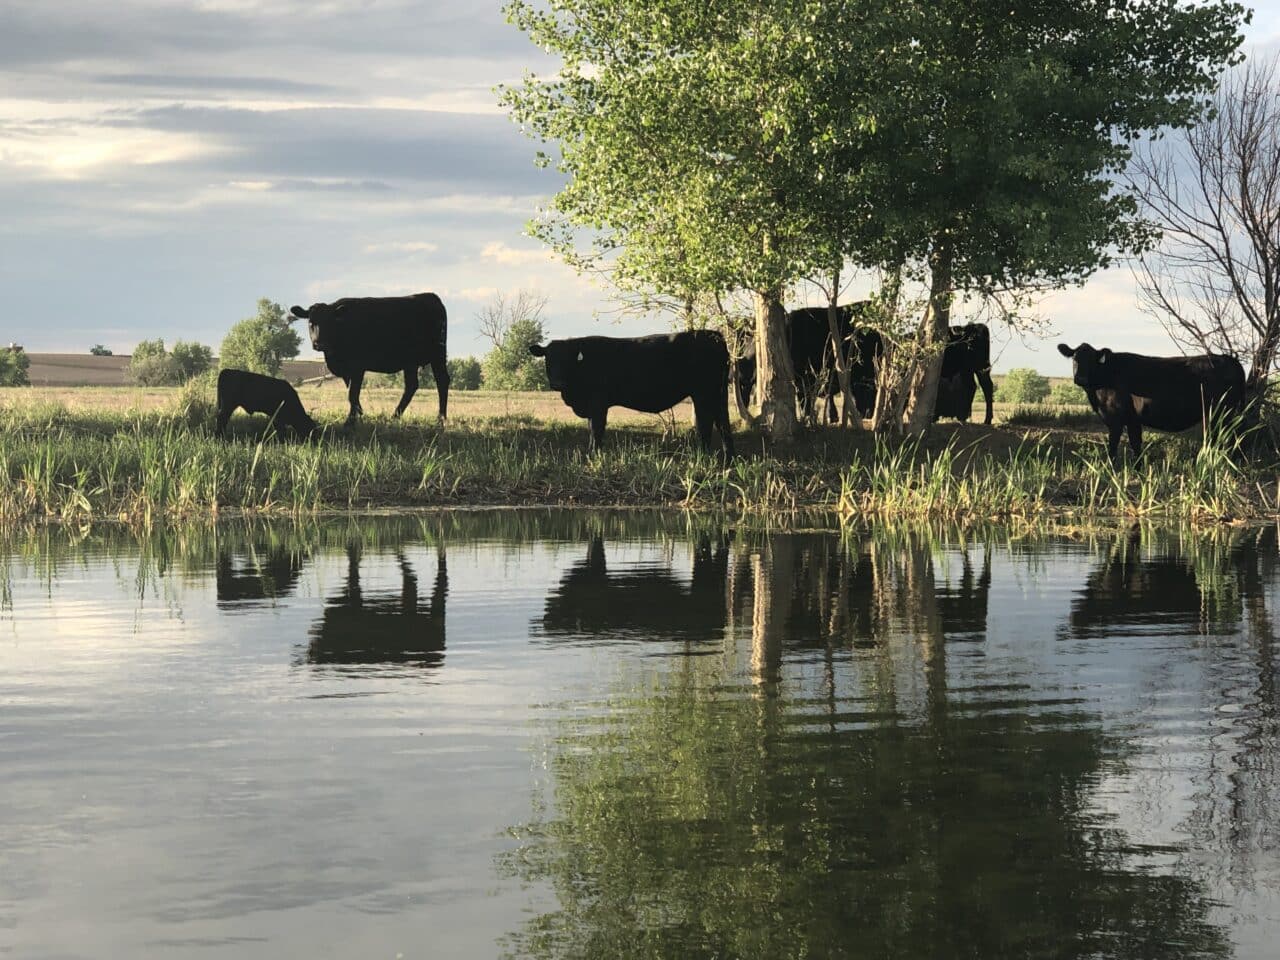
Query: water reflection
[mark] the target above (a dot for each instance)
(363, 627)
(645, 600)
(777, 811)
(892, 742)
(261, 574)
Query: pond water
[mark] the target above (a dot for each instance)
(577, 734)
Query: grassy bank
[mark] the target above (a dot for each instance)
(144, 465)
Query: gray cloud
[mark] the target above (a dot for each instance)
(177, 83)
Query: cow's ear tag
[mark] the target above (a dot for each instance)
(579, 356)
(1102, 359)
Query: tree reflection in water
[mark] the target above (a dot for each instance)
(750, 806)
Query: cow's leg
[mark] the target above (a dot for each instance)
(410, 388)
(988, 391)
(224, 414)
(597, 421)
(704, 419)
(1113, 440)
(440, 370)
(720, 406)
(1135, 438)
(353, 394)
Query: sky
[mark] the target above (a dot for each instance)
(165, 163)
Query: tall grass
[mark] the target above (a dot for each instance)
(146, 467)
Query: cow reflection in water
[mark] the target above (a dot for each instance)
(1165, 590)
(257, 577)
(361, 627)
(641, 600)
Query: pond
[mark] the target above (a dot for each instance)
(602, 734)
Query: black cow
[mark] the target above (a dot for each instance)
(259, 394)
(967, 356)
(809, 343)
(809, 337)
(650, 374)
(1131, 391)
(382, 334)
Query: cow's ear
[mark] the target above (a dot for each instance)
(1065, 350)
(537, 350)
(299, 312)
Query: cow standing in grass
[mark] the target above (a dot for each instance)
(260, 394)
(967, 357)
(1131, 391)
(385, 335)
(650, 374)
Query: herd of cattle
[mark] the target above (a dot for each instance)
(651, 374)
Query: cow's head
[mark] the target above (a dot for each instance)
(1089, 366)
(322, 320)
(563, 360)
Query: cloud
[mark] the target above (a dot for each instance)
(500, 252)
(402, 246)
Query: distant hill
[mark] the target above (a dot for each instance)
(86, 370)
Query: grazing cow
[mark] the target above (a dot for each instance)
(650, 374)
(1131, 391)
(382, 334)
(967, 356)
(259, 394)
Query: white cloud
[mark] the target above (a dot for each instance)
(500, 252)
(402, 246)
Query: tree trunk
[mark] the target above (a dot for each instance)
(849, 410)
(934, 330)
(775, 380)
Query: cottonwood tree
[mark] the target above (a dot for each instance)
(261, 343)
(693, 136)
(495, 319)
(1001, 128)
(745, 145)
(1214, 192)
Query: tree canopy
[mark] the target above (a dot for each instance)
(747, 144)
(261, 343)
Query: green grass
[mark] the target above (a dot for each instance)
(143, 467)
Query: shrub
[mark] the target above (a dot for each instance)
(465, 373)
(151, 365)
(98, 350)
(1068, 394)
(192, 358)
(262, 343)
(509, 366)
(14, 363)
(1023, 385)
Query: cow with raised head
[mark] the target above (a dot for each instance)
(650, 374)
(385, 335)
(1130, 391)
(256, 393)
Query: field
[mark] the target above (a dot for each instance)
(144, 455)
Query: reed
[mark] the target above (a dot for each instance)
(146, 466)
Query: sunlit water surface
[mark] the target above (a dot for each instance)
(628, 735)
